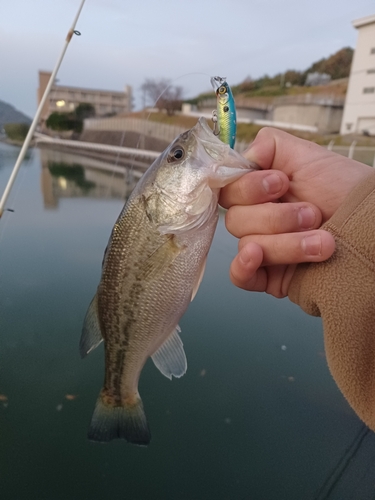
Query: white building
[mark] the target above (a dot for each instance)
(65, 99)
(359, 110)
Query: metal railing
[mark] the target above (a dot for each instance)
(362, 154)
(101, 148)
(170, 132)
(320, 99)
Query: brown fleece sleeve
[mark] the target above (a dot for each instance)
(342, 291)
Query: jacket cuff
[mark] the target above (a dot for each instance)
(336, 225)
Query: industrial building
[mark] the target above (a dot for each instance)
(359, 110)
(65, 99)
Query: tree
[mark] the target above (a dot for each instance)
(337, 65)
(16, 131)
(162, 95)
(84, 110)
(60, 121)
(71, 121)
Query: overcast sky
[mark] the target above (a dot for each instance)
(124, 42)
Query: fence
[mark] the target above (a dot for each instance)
(170, 132)
(100, 148)
(323, 100)
(359, 153)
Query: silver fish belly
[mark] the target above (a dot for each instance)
(152, 269)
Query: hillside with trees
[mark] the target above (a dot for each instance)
(9, 114)
(291, 81)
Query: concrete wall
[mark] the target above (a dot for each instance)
(148, 128)
(248, 108)
(326, 118)
(359, 111)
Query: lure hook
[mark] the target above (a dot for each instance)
(216, 130)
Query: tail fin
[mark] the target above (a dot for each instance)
(124, 422)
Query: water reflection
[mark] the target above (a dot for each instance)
(65, 175)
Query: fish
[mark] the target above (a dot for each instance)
(224, 117)
(151, 271)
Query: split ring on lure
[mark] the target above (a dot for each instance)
(224, 117)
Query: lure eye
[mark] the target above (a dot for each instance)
(222, 90)
(176, 154)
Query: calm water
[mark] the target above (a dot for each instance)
(250, 419)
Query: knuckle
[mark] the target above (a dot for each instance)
(242, 242)
(264, 132)
(275, 219)
(229, 219)
(274, 282)
(277, 249)
(236, 276)
(242, 189)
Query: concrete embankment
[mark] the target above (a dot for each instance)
(120, 139)
(143, 150)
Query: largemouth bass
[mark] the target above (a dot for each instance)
(152, 268)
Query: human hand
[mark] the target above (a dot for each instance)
(309, 183)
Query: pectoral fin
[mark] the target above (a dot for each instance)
(160, 259)
(91, 335)
(170, 358)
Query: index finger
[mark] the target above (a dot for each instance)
(254, 188)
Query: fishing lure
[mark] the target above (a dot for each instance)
(224, 116)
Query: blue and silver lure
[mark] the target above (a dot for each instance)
(224, 117)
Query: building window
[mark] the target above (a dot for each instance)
(373, 50)
(369, 90)
(349, 126)
(372, 70)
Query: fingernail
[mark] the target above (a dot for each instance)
(312, 245)
(272, 184)
(306, 218)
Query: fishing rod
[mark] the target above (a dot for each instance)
(34, 123)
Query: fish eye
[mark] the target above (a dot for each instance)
(177, 153)
(222, 90)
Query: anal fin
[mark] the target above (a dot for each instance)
(170, 358)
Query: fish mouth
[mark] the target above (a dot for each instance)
(204, 133)
(206, 140)
(225, 164)
(185, 135)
